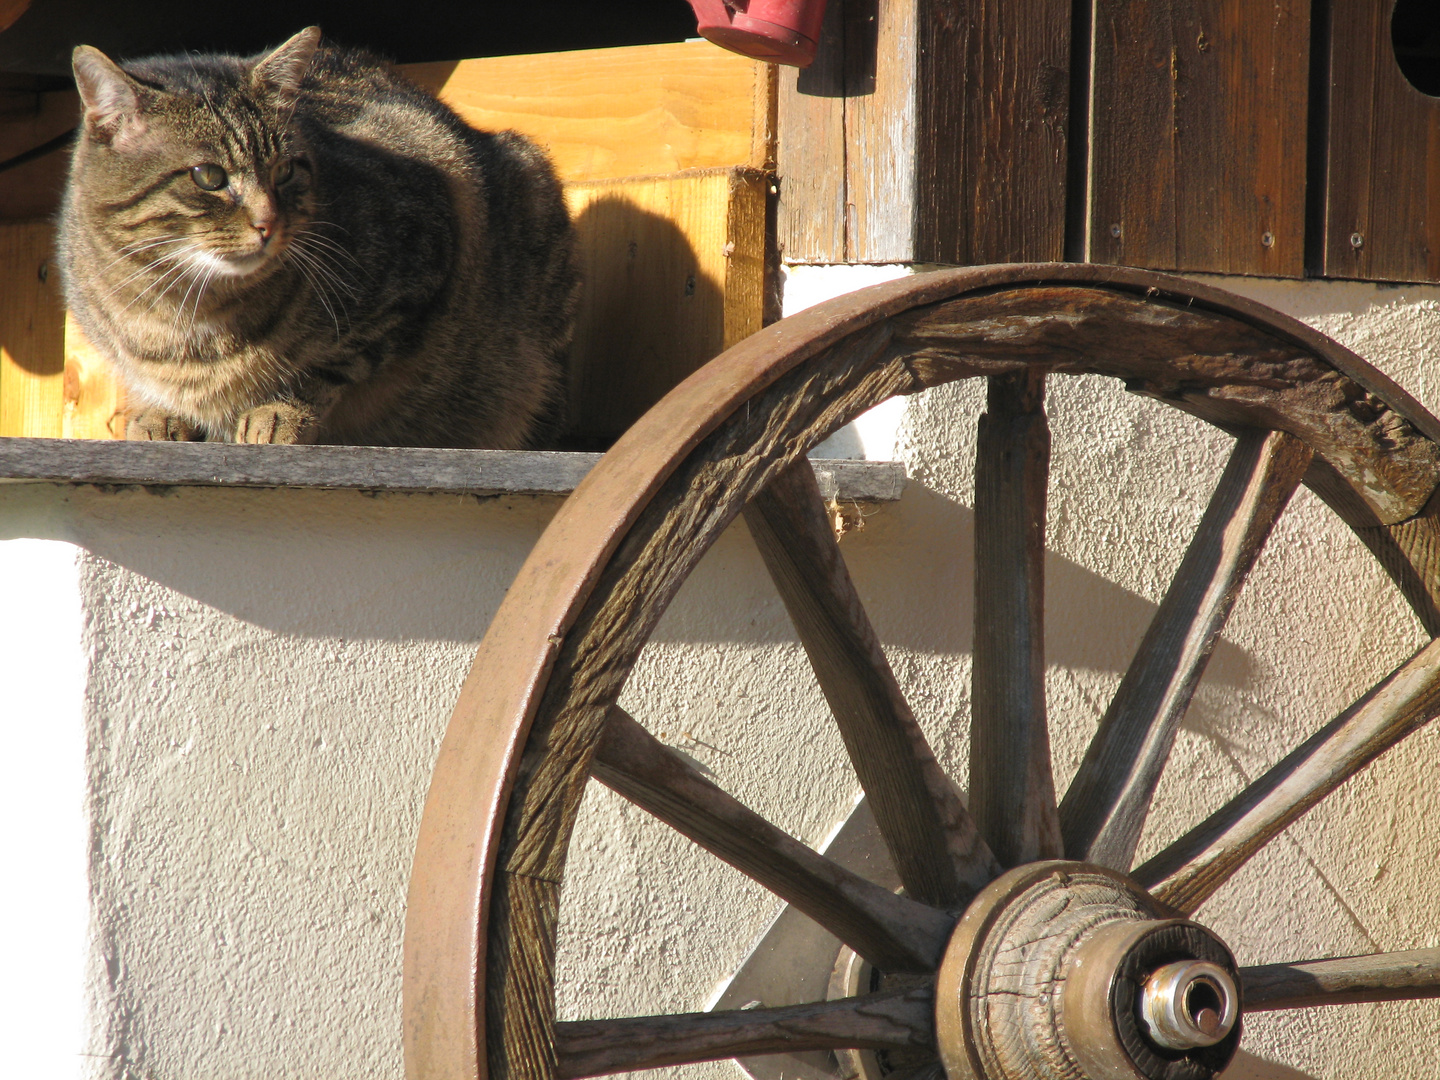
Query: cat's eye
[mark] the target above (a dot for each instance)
(284, 171)
(209, 177)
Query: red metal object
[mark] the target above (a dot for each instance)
(778, 31)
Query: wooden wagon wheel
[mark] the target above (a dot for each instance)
(1060, 940)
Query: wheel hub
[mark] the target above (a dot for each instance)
(1061, 970)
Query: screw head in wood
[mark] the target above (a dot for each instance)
(1357, 240)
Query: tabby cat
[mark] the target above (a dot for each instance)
(306, 247)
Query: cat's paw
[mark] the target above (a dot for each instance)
(156, 425)
(275, 422)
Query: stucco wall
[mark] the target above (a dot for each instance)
(266, 676)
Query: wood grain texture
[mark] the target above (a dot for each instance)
(810, 155)
(604, 114)
(674, 272)
(594, 653)
(1193, 867)
(29, 117)
(1395, 976)
(360, 468)
(1218, 369)
(1108, 801)
(1198, 137)
(928, 131)
(1382, 197)
(892, 932)
(884, 79)
(1012, 793)
(94, 397)
(991, 130)
(32, 332)
(938, 853)
(891, 1020)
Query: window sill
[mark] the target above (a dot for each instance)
(359, 468)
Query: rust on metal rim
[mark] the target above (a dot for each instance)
(445, 935)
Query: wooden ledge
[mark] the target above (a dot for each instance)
(362, 468)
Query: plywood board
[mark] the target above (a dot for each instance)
(1198, 137)
(675, 273)
(1382, 204)
(610, 113)
(32, 331)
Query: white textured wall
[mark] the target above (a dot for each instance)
(267, 674)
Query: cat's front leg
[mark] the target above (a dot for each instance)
(277, 422)
(156, 425)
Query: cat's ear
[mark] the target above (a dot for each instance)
(278, 74)
(111, 98)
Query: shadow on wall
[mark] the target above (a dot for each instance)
(435, 567)
(649, 312)
(1249, 1067)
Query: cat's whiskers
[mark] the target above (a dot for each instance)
(320, 295)
(177, 267)
(141, 270)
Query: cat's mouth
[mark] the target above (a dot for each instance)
(240, 264)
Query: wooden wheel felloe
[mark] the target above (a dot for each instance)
(537, 715)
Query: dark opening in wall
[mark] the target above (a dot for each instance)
(1415, 35)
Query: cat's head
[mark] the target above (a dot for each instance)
(196, 158)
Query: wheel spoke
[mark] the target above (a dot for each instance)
(1012, 793)
(938, 852)
(1106, 806)
(897, 1019)
(892, 932)
(1192, 868)
(1395, 976)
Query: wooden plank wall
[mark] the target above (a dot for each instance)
(1382, 192)
(665, 151)
(928, 131)
(1198, 157)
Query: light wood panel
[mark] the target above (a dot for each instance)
(610, 113)
(93, 395)
(675, 273)
(32, 325)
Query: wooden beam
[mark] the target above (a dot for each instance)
(1012, 793)
(893, 932)
(1108, 802)
(938, 852)
(1395, 976)
(892, 1020)
(1189, 871)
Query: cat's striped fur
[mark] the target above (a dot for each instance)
(371, 270)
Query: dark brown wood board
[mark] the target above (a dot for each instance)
(1382, 196)
(1199, 135)
(928, 131)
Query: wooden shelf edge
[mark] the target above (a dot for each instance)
(359, 468)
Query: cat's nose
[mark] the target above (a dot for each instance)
(265, 227)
